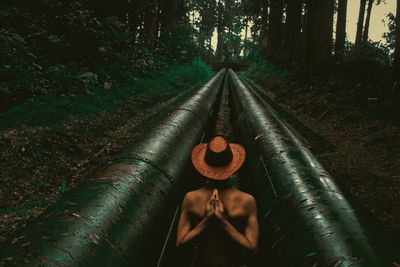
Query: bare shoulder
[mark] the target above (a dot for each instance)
(243, 195)
(247, 199)
(194, 196)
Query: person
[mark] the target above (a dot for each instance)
(221, 218)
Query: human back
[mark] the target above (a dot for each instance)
(215, 245)
(219, 218)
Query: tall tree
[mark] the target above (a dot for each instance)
(319, 31)
(367, 21)
(245, 43)
(101, 8)
(135, 14)
(207, 21)
(274, 41)
(229, 26)
(293, 28)
(264, 23)
(360, 22)
(120, 9)
(150, 23)
(341, 27)
(220, 30)
(168, 15)
(258, 12)
(396, 63)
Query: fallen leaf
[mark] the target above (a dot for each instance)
(25, 244)
(44, 260)
(311, 254)
(258, 137)
(95, 239)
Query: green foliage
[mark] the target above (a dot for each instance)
(233, 46)
(365, 63)
(255, 52)
(54, 110)
(363, 72)
(180, 44)
(264, 70)
(207, 10)
(252, 7)
(390, 36)
(61, 48)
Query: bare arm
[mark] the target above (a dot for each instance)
(248, 240)
(185, 232)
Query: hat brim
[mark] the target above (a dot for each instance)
(218, 173)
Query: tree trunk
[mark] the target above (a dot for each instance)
(209, 41)
(293, 29)
(319, 31)
(134, 16)
(360, 21)
(264, 25)
(100, 8)
(92, 4)
(150, 21)
(221, 33)
(169, 16)
(202, 43)
(245, 38)
(220, 45)
(367, 20)
(119, 9)
(396, 62)
(341, 28)
(275, 28)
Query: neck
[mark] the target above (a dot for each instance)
(218, 184)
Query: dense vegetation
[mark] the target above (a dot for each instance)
(73, 47)
(298, 36)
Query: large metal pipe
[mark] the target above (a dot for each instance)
(306, 218)
(119, 218)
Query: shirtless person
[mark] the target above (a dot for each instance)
(220, 217)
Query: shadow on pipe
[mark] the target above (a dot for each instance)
(306, 219)
(120, 217)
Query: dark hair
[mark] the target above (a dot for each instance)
(231, 181)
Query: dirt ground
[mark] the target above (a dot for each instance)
(366, 158)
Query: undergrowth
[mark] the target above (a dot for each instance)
(345, 89)
(53, 110)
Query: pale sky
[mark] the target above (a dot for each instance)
(376, 29)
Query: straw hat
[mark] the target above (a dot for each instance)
(218, 159)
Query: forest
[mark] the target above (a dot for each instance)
(64, 46)
(80, 79)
